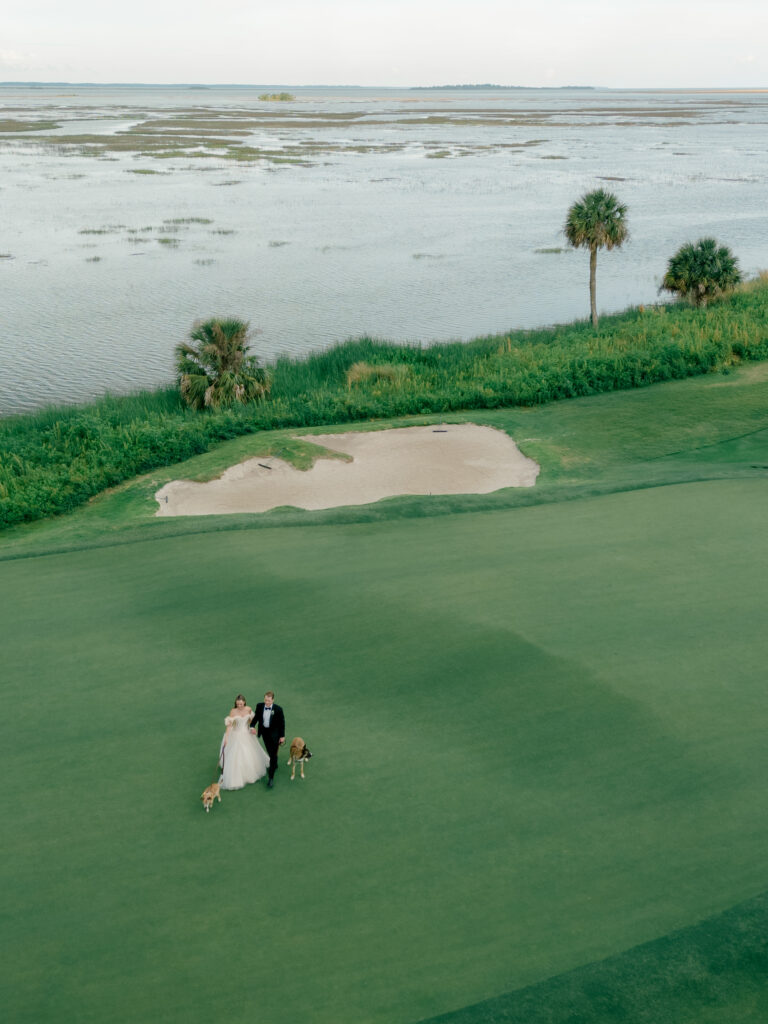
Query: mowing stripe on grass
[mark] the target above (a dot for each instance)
(539, 740)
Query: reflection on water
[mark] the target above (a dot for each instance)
(129, 212)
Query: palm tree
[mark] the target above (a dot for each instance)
(217, 370)
(596, 221)
(701, 271)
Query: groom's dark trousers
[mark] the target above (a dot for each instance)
(272, 735)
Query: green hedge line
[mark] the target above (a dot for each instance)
(53, 461)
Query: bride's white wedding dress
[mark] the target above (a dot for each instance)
(242, 758)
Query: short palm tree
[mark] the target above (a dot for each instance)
(596, 221)
(701, 271)
(217, 370)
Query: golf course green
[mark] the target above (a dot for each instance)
(538, 721)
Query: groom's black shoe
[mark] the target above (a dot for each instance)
(270, 783)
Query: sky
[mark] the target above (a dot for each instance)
(618, 44)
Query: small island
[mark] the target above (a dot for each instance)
(486, 85)
(489, 85)
(279, 97)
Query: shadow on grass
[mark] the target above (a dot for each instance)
(713, 971)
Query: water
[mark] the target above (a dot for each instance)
(403, 214)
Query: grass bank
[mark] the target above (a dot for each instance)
(53, 461)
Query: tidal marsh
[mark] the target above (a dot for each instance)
(354, 170)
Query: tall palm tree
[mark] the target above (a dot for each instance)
(218, 370)
(596, 221)
(701, 271)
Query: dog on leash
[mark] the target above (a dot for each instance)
(213, 792)
(300, 753)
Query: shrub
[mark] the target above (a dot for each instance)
(701, 271)
(217, 370)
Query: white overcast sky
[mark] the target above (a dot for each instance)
(622, 44)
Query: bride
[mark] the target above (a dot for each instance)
(241, 757)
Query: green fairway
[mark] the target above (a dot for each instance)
(539, 739)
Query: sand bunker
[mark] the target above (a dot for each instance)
(453, 459)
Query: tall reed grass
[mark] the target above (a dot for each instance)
(54, 460)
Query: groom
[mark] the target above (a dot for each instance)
(269, 724)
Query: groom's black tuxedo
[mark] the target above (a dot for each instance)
(272, 734)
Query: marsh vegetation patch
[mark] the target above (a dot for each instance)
(238, 134)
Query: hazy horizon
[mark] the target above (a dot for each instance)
(389, 43)
(701, 87)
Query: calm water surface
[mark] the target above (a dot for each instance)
(130, 212)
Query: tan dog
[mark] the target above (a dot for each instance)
(213, 792)
(299, 754)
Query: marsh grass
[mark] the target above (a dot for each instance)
(223, 133)
(223, 137)
(365, 373)
(188, 220)
(54, 460)
(10, 125)
(170, 154)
